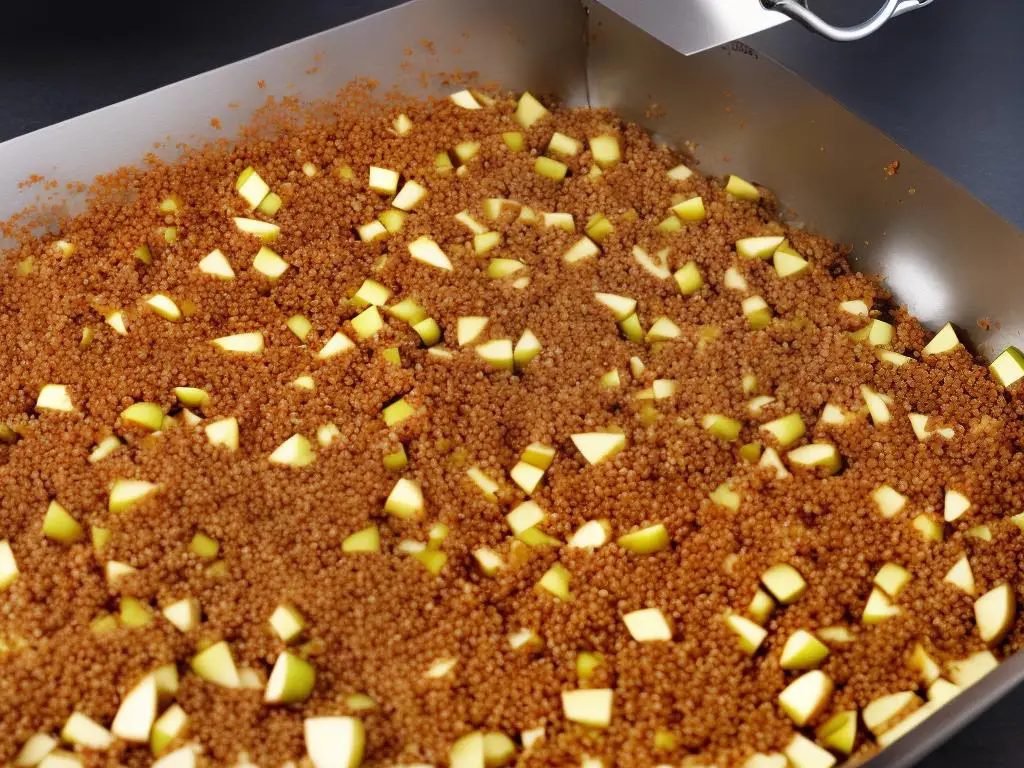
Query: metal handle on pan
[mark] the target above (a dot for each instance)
(797, 11)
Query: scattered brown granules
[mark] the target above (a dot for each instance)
(892, 168)
(375, 623)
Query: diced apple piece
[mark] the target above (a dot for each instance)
(770, 459)
(658, 268)
(287, 623)
(786, 430)
(784, 582)
(591, 535)
(584, 248)
(994, 613)
(498, 353)
(789, 263)
(134, 613)
(757, 312)
(647, 625)
(251, 186)
(961, 575)
(756, 404)
(878, 608)
(514, 140)
(806, 697)
(734, 280)
(296, 451)
(632, 329)
(679, 173)
(126, 493)
(465, 99)
(669, 224)
(164, 306)
(426, 251)
(183, 614)
(803, 651)
(930, 529)
(804, 753)
(598, 227)
(877, 406)
(591, 707)
(759, 247)
(223, 432)
(555, 581)
(550, 169)
(487, 486)
(943, 341)
(490, 562)
(116, 321)
(744, 190)
(470, 223)
(383, 180)
(599, 446)
(621, 306)
(645, 541)
(335, 345)
(941, 691)
(750, 635)
(877, 333)
(689, 279)
(836, 635)
(137, 713)
(82, 731)
(761, 606)
(955, 505)
(291, 680)
(412, 194)
(564, 145)
(1008, 368)
(663, 329)
(203, 546)
(54, 397)
(405, 500)
(115, 569)
(372, 230)
(266, 231)
(526, 515)
(889, 501)
(839, 732)
(365, 540)
(146, 415)
(397, 412)
(35, 748)
(217, 665)
(691, 210)
(726, 497)
(529, 110)
(167, 728)
(468, 752)
(924, 663)
(605, 150)
(824, 455)
(857, 307)
(59, 525)
(241, 343)
(884, 712)
(270, 204)
(894, 358)
(269, 264)
(892, 578)
(486, 241)
(967, 672)
(368, 322)
(61, 759)
(526, 476)
(761, 760)
(334, 742)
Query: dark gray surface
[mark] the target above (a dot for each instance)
(944, 82)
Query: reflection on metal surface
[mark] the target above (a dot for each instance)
(912, 276)
(691, 26)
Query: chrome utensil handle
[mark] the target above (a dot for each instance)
(797, 11)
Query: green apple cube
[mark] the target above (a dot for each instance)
(223, 433)
(291, 680)
(251, 186)
(759, 247)
(757, 312)
(490, 562)
(183, 614)
(514, 140)
(770, 459)
(296, 451)
(486, 241)
(824, 455)
(35, 748)
(591, 535)
(944, 341)
(564, 145)
(691, 210)
(591, 707)
(426, 251)
(125, 494)
(405, 500)
(930, 529)
(287, 623)
(804, 753)
(365, 540)
(784, 582)
(966, 672)
(529, 110)
(605, 150)
(925, 664)
(526, 476)
(878, 408)
(663, 329)
(724, 496)
(550, 168)
(217, 665)
(167, 728)
(411, 195)
(241, 343)
(670, 224)
(621, 306)
(741, 189)
(584, 248)
(598, 227)
(789, 263)
(524, 638)
(534, 537)
(334, 742)
(803, 651)
(994, 613)
(659, 268)
(538, 455)
(761, 606)
(632, 329)
(889, 501)
(892, 578)
(646, 541)
(878, 608)
(1008, 368)
(526, 515)
(806, 697)
(597, 447)
(885, 711)
(839, 732)
(164, 306)
(722, 427)
(647, 625)
(60, 526)
(137, 713)
(527, 348)
(488, 487)
(749, 634)
(498, 352)
(82, 731)
(555, 581)
(955, 505)
(689, 279)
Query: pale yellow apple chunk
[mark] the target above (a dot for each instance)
(806, 697)
(591, 707)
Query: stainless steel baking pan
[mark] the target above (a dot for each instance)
(944, 254)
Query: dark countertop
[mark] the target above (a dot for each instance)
(940, 81)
